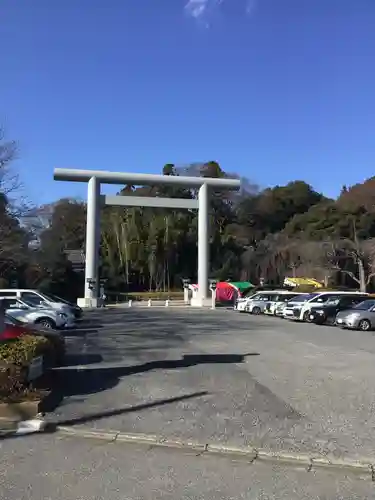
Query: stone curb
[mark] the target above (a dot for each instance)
(364, 467)
(31, 426)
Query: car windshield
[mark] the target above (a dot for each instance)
(48, 297)
(303, 298)
(249, 296)
(30, 301)
(262, 297)
(55, 298)
(365, 305)
(332, 302)
(285, 297)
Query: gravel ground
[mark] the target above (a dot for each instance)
(222, 376)
(47, 467)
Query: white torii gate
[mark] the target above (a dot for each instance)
(95, 178)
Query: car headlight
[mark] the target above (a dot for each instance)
(318, 311)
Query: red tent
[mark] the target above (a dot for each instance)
(229, 291)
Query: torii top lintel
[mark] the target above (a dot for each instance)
(107, 177)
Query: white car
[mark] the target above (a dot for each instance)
(46, 318)
(256, 303)
(299, 307)
(37, 298)
(277, 304)
(240, 303)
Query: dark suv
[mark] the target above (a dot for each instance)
(327, 313)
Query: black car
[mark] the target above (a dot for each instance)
(327, 313)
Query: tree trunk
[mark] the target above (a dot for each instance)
(294, 273)
(126, 251)
(362, 276)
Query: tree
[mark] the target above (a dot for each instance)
(347, 232)
(13, 238)
(269, 211)
(50, 268)
(67, 228)
(289, 230)
(352, 257)
(9, 181)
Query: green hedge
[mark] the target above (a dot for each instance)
(22, 350)
(312, 289)
(15, 357)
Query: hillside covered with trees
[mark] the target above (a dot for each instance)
(280, 231)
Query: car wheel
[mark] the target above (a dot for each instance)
(256, 310)
(306, 317)
(364, 325)
(46, 323)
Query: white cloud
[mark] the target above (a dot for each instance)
(200, 9)
(196, 8)
(250, 7)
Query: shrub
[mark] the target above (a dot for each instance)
(312, 289)
(306, 289)
(56, 350)
(23, 349)
(15, 357)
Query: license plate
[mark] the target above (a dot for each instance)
(289, 313)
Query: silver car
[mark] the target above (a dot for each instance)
(258, 303)
(276, 305)
(360, 317)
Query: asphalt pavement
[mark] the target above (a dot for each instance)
(222, 377)
(201, 376)
(50, 467)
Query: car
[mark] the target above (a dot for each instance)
(240, 303)
(243, 304)
(77, 311)
(38, 299)
(327, 313)
(276, 305)
(15, 328)
(28, 313)
(259, 302)
(12, 331)
(299, 308)
(360, 317)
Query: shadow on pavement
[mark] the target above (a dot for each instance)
(115, 372)
(72, 360)
(122, 411)
(53, 426)
(83, 379)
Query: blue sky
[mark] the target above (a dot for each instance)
(274, 90)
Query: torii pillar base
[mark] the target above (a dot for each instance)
(200, 302)
(88, 303)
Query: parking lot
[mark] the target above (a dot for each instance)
(222, 376)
